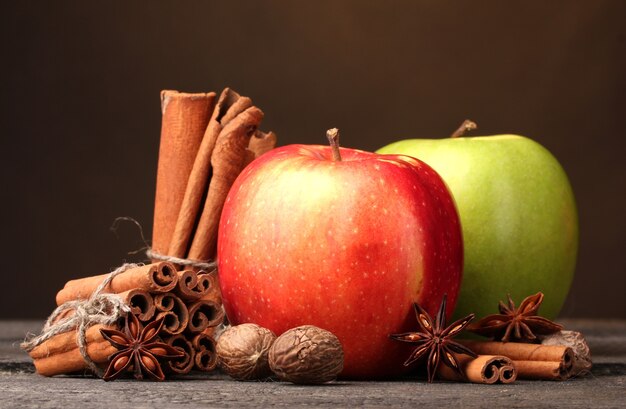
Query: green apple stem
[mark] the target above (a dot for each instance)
(465, 127)
(333, 139)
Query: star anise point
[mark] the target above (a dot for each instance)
(138, 349)
(516, 323)
(435, 340)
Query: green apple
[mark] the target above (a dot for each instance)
(518, 216)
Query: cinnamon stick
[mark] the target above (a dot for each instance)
(72, 361)
(215, 293)
(185, 119)
(487, 369)
(60, 354)
(157, 277)
(171, 323)
(141, 303)
(214, 296)
(533, 361)
(185, 364)
(249, 156)
(227, 161)
(582, 355)
(193, 286)
(206, 356)
(204, 314)
(519, 351)
(544, 370)
(229, 105)
(174, 311)
(262, 142)
(66, 341)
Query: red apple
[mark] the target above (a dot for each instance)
(342, 239)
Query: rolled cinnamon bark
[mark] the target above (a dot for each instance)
(193, 286)
(204, 314)
(206, 357)
(157, 277)
(185, 119)
(66, 341)
(60, 354)
(227, 161)
(215, 293)
(174, 311)
(508, 373)
(487, 369)
(248, 158)
(185, 364)
(533, 361)
(582, 355)
(544, 370)
(229, 105)
(72, 361)
(519, 351)
(171, 323)
(262, 142)
(141, 303)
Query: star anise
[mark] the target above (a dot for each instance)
(518, 324)
(139, 349)
(436, 340)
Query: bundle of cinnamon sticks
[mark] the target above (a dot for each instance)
(532, 361)
(205, 144)
(188, 302)
(504, 362)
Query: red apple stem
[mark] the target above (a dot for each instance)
(465, 127)
(333, 139)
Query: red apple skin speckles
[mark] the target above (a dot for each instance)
(347, 246)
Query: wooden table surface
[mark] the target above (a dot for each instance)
(604, 387)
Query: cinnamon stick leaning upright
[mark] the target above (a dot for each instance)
(230, 141)
(229, 105)
(185, 119)
(227, 161)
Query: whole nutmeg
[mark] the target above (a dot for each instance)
(242, 351)
(307, 355)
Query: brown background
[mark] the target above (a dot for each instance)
(80, 114)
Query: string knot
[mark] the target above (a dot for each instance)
(99, 308)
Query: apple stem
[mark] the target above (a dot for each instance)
(465, 127)
(333, 139)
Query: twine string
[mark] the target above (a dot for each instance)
(99, 308)
(206, 265)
